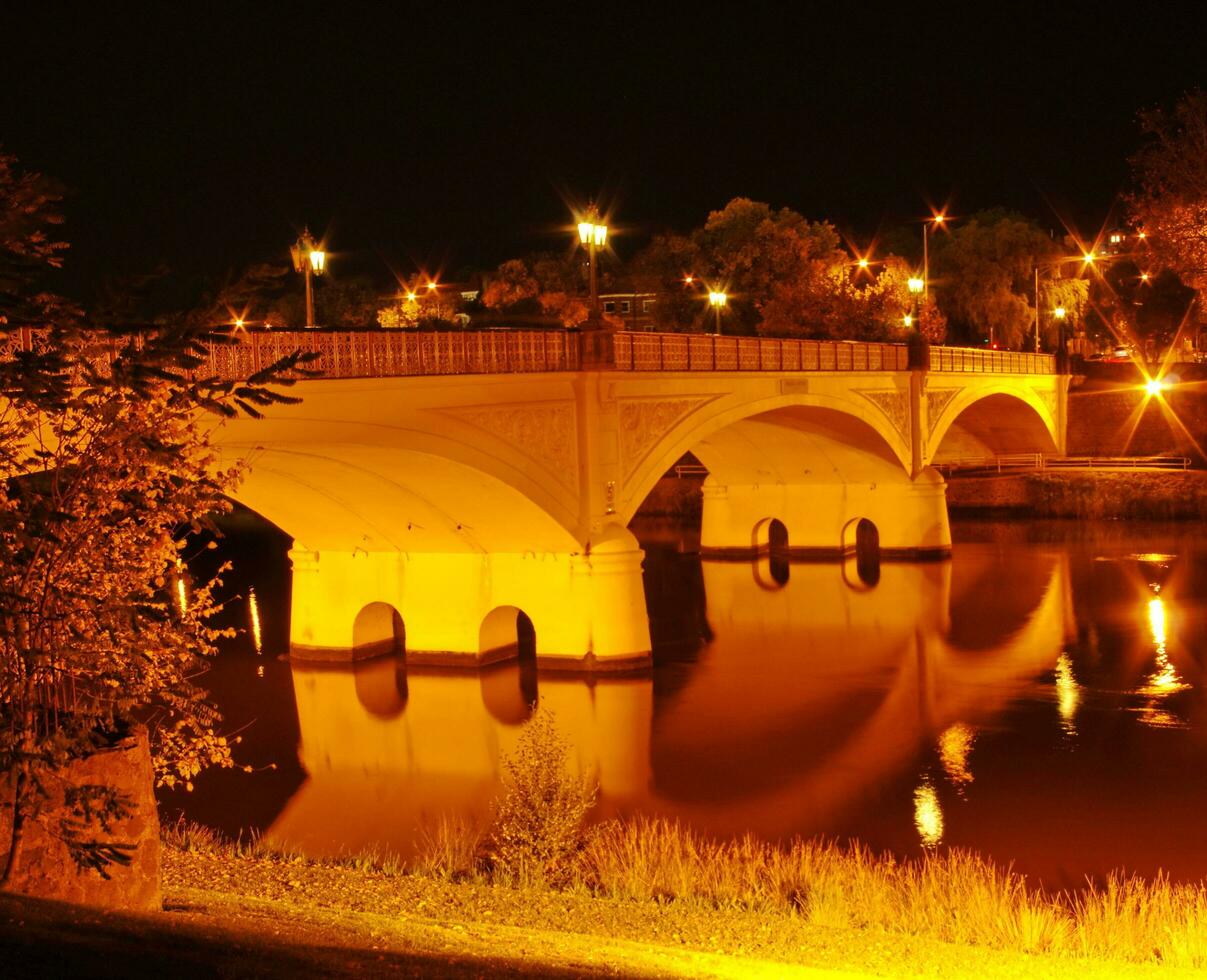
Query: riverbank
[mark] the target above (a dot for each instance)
(236, 913)
(1122, 494)
(644, 898)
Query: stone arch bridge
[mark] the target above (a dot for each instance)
(452, 475)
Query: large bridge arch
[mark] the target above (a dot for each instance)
(995, 417)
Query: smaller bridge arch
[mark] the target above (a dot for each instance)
(995, 418)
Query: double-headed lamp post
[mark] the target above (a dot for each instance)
(308, 259)
(916, 287)
(1060, 314)
(593, 234)
(717, 298)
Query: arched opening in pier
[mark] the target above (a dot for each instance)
(507, 633)
(770, 543)
(378, 631)
(861, 551)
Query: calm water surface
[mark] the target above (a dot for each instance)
(1039, 698)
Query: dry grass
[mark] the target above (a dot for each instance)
(450, 848)
(956, 897)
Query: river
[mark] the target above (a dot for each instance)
(1039, 698)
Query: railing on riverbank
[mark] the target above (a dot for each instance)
(1015, 462)
(405, 353)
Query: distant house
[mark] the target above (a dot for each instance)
(634, 309)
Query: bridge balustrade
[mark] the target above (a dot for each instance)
(403, 353)
(970, 359)
(709, 352)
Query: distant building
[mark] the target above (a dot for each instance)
(635, 310)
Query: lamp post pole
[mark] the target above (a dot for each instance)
(308, 258)
(594, 235)
(936, 220)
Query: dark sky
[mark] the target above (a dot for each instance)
(440, 136)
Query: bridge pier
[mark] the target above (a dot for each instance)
(820, 518)
(587, 609)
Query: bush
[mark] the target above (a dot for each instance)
(540, 820)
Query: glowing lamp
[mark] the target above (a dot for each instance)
(318, 261)
(916, 285)
(431, 287)
(1154, 387)
(939, 219)
(1059, 313)
(411, 297)
(689, 279)
(590, 233)
(908, 320)
(716, 298)
(1088, 258)
(863, 263)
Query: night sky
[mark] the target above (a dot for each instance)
(444, 138)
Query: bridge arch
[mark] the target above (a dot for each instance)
(994, 418)
(857, 423)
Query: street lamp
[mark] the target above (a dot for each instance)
(308, 259)
(593, 234)
(916, 286)
(1059, 313)
(717, 299)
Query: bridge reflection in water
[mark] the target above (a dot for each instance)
(816, 695)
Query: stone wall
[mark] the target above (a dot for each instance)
(1086, 494)
(1110, 403)
(46, 868)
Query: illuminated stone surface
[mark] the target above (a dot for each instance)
(445, 499)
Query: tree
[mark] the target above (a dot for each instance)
(106, 467)
(784, 275)
(1170, 203)
(986, 268)
(668, 266)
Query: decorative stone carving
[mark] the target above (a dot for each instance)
(936, 402)
(1048, 397)
(642, 422)
(895, 405)
(545, 432)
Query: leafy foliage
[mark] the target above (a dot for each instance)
(987, 271)
(1170, 204)
(106, 466)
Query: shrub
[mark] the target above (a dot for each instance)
(540, 819)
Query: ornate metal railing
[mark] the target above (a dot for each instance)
(402, 353)
(708, 352)
(399, 353)
(990, 361)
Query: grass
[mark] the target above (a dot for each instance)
(540, 842)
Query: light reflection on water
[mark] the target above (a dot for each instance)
(816, 708)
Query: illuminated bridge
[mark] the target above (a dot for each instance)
(439, 485)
